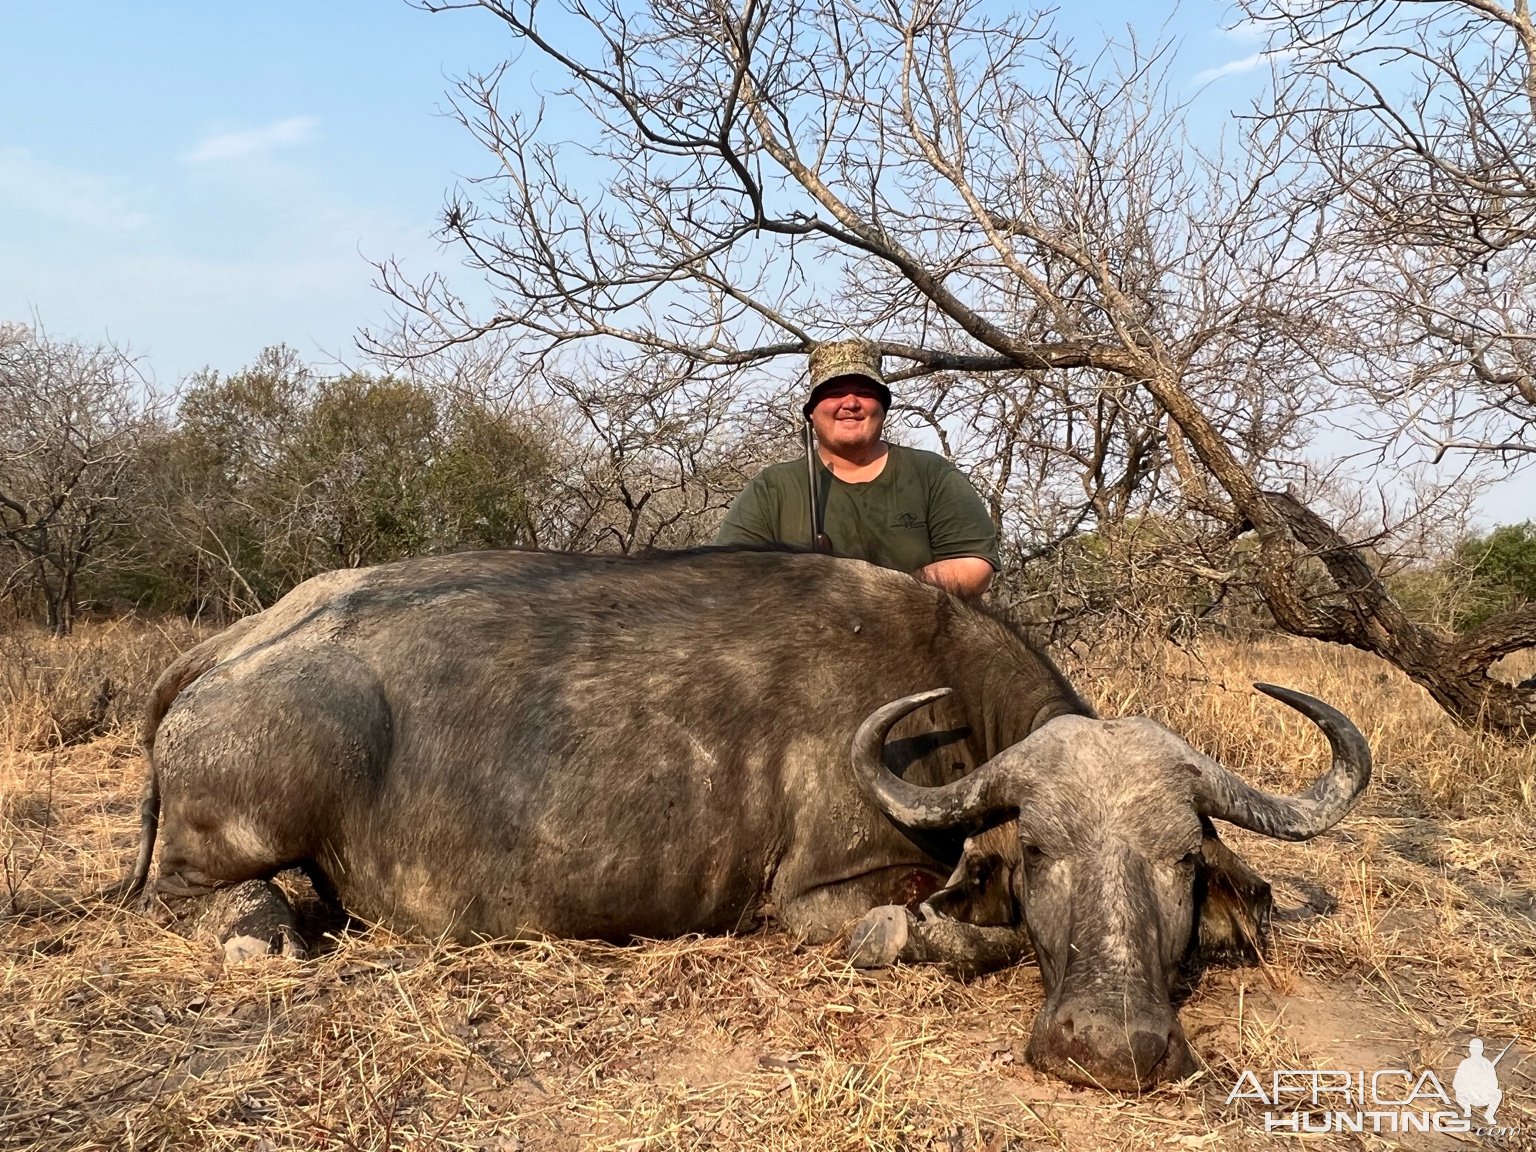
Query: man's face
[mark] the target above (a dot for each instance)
(847, 414)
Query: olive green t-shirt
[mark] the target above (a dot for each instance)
(921, 508)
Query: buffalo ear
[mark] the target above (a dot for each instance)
(1235, 905)
(980, 890)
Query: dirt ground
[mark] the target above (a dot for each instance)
(1400, 936)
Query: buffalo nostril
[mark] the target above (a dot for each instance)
(1147, 1048)
(1064, 1025)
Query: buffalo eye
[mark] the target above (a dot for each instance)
(1190, 858)
(1033, 857)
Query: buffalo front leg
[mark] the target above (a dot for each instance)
(893, 933)
(824, 912)
(969, 925)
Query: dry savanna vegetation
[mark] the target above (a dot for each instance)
(1209, 385)
(1400, 935)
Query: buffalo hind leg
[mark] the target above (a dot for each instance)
(246, 920)
(891, 933)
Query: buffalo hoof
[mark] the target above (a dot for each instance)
(244, 949)
(249, 921)
(878, 939)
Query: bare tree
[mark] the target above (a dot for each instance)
(646, 464)
(71, 416)
(1417, 126)
(991, 208)
(1415, 133)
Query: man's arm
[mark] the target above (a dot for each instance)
(962, 535)
(965, 576)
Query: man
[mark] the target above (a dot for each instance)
(898, 507)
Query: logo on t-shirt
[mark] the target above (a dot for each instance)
(909, 520)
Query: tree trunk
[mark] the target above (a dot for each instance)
(1452, 669)
(61, 616)
(1360, 611)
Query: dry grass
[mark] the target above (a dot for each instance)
(115, 1034)
(57, 693)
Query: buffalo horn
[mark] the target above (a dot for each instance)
(969, 801)
(1221, 795)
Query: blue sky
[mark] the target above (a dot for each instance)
(200, 180)
(197, 181)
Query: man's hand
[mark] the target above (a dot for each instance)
(965, 576)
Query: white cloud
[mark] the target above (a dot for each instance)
(288, 133)
(1246, 64)
(80, 199)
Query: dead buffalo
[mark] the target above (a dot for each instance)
(516, 743)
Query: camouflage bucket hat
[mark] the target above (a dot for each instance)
(838, 358)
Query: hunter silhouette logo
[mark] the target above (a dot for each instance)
(1310, 1101)
(1476, 1084)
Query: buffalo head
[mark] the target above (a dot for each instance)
(1122, 876)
